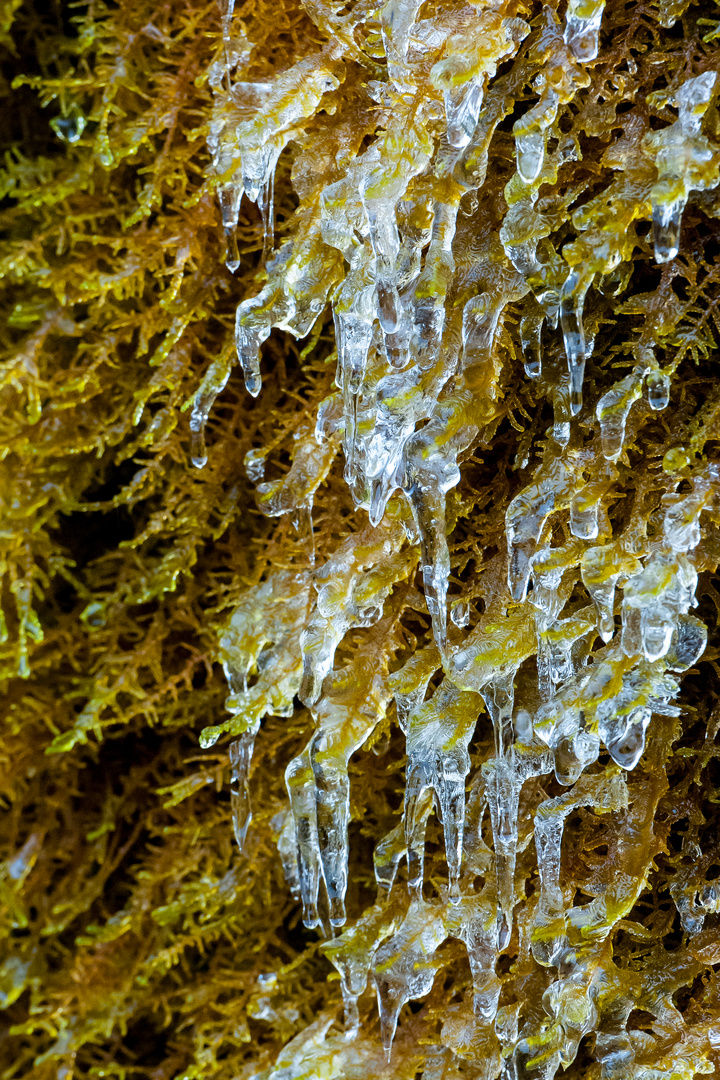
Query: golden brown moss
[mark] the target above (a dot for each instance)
(136, 940)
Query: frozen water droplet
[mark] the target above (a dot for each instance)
(530, 153)
(255, 465)
(69, 127)
(198, 452)
(583, 517)
(658, 387)
(627, 748)
(666, 219)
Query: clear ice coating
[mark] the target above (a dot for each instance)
(405, 966)
(438, 734)
(612, 411)
(353, 953)
(572, 299)
(571, 638)
(685, 161)
(212, 385)
(582, 27)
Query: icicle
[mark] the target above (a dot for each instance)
(586, 504)
(480, 319)
(612, 412)
(652, 600)
(249, 335)
(401, 399)
(432, 285)
(584, 516)
(353, 312)
(301, 518)
(474, 922)
(254, 463)
(229, 196)
(408, 685)
(557, 649)
(263, 634)
(284, 826)
(462, 108)
(419, 801)
(613, 1047)
(385, 241)
(525, 517)
(352, 955)
(531, 325)
(396, 20)
(582, 27)
(504, 792)
(561, 410)
(437, 739)
(346, 716)
(426, 489)
(294, 492)
(530, 133)
(212, 385)
(352, 589)
(572, 300)
(470, 59)
(689, 642)
(240, 756)
(332, 793)
(606, 792)
(627, 741)
(685, 161)
(301, 789)
(405, 967)
(600, 575)
(386, 859)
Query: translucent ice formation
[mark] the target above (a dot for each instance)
(442, 282)
(405, 965)
(685, 160)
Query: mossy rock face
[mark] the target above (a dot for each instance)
(359, 535)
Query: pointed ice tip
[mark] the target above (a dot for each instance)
(199, 462)
(311, 919)
(232, 264)
(337, 912)
(518, 588)
(664, 254)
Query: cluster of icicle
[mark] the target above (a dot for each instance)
(417, 384)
